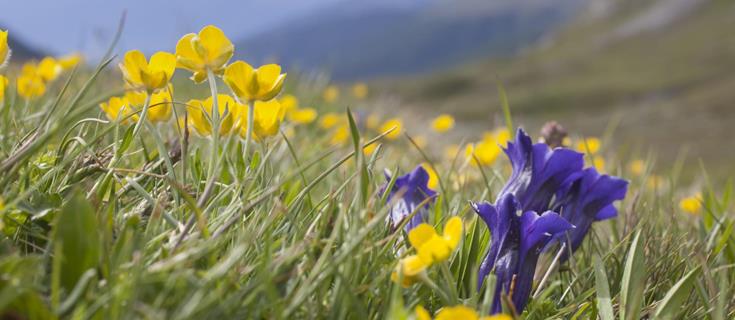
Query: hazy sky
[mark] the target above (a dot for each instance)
(62, 26)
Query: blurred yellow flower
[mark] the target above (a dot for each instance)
(433, 178)
(149, 75)
(4, 49)
(409, 267)
(70, 61)
(655, 182)
(330, 120)
(637, 167)
(289, 102)
(268, 117)
(30, 86)
(501, 136)
(422, 314)
(119, 109)
(340, 135)
(443, 123)
(430, 246)
(200, 114)
(49, 69)
(331, 93)
(3, 85)
(484, 152)
(461, 312)
(691, 205)
(393, 123)
(263, 83)
(210, 49)
(599, 164)
(368, 150)
(302, 115)
(589, 145)
(372, 121)
(360, 90)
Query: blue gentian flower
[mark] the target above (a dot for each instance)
(587, 197)
(413, 191)
(517, 242)
(538, 172)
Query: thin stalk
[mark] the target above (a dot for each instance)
(213, 158)
(249, 134)
(143, 114)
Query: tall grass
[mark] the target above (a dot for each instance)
(95, 226)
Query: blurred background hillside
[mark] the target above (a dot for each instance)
(660, 72)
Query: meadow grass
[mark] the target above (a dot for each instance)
(102, 222)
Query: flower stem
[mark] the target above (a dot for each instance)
(143, 114)
(249, 134)
(213, 158)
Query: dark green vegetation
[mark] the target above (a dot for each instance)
(668, 88)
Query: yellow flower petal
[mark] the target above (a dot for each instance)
(422, 314)
(163, 62)
(433, 178)
(267, 120)
(3, 85)
(457, 313)
(4, 49)
(218, 49)
(330, 120)
(49, 69)
(637, 167)
(393, 123)
(302, 115)
(420, 235)
(691, 205)
(360, 90)
(589, 145)
(453, 232)
(331, 93)
(443, 123)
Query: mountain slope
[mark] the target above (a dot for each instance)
(368, 41)
(670, 84)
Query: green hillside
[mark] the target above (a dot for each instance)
(671, 87)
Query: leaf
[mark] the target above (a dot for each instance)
(671, 304)
(76, 231)
(634, 281)
(506, 108)
(359, 158)
(603, 290)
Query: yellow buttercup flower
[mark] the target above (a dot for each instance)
(49, 69)
(160, 108)
(589, 145)
(330, 120)
(501, 136)
(341, 134)
(461, 312)
(430, 246)
(331, 93)
(443, 123)
(30, 86)
(119, 109)
(637, 167)
(599, 164)
(70, 61)
(4, 49)
(433, 177)
(368, 150)
(302, 115)
(691, 205)
(360, 90)
(421, 313)
(149, 75)
(250, 84)
(268, 117)
(409, 267)
(200, 114)
(485, 152)
(393, 123)
(210, 49)
(289, 103)
(3, 85)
